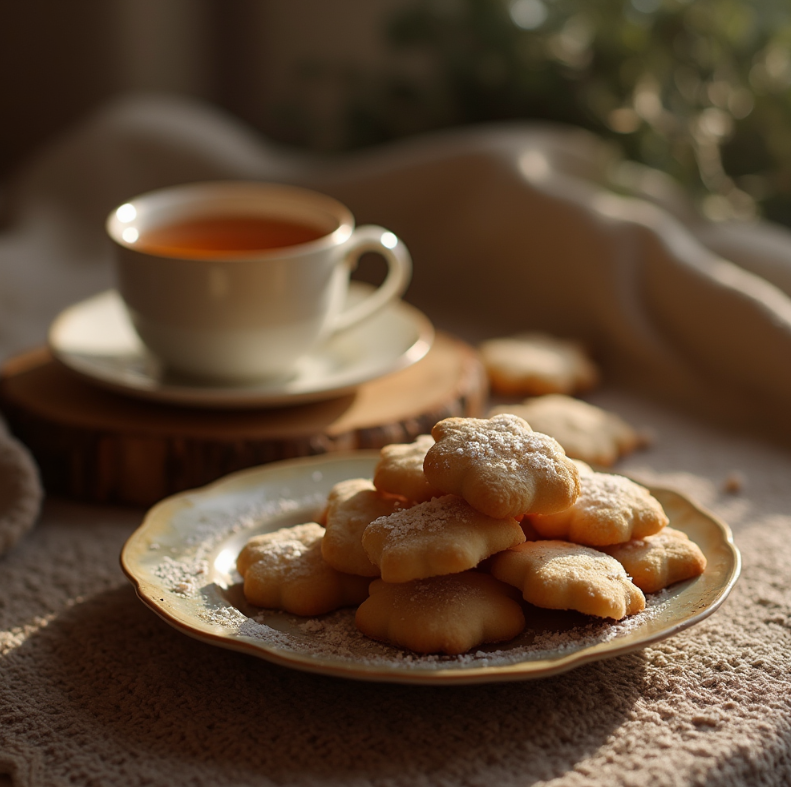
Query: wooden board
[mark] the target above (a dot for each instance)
(97, 446)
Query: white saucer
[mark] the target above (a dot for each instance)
(95, 339)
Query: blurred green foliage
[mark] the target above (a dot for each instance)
(700, 89)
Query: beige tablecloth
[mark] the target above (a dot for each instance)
(509, 228)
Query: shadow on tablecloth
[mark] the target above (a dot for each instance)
(139, 695)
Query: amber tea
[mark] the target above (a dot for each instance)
(208, 236)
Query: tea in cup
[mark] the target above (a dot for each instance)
(238, 281)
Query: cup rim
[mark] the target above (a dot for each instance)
(199, 192)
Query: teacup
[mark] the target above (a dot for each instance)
(238, 281)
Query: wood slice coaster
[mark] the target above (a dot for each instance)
(98, 446)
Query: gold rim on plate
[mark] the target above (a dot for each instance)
(181, 561)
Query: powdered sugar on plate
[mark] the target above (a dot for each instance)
(194, 574)
(186, 571)
(335, 637)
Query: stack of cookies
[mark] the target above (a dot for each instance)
(456, 530)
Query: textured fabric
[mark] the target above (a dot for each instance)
(20, 490)
(509, 228)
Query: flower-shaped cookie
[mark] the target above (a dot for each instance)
(559, 575)
(611, 509)
(351, 506)
(501, 467)
(449, 614)
(585, 431)
(400, 470)
(285, 570)
(657, 561)
(531, 364)
(441, 536)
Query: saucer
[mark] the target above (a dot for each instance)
(95, 339)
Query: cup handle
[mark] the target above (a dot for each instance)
(370, 238)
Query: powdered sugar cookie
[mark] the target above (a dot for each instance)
(657, 561)
(351, 506)
(559, 575)
(531, 364)
(585, 431)
(260, 547)
(501, 467)
(285, 570)
(449, 614)
(445, 535)
(400, 470)
(611, 509)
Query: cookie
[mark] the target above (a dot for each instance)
(501, 467)
(532, 364)
(559, 575)
(611, 509)
(259, 547)
(351, 506)
(400, 470)
(585, 431)
(285, 570)
(449, 614)
(441, 536)
(657, 561)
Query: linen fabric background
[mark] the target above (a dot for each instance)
(510, 228)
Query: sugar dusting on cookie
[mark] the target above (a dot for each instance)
(432, 516)
(291, 559)
(507, 442)
(603, 490)
(501, 466)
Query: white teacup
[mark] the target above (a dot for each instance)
(237, 281)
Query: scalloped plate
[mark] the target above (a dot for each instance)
(182, 563)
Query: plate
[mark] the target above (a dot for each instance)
(182, 563)
(95, 339)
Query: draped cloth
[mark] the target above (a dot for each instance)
(511, 228)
